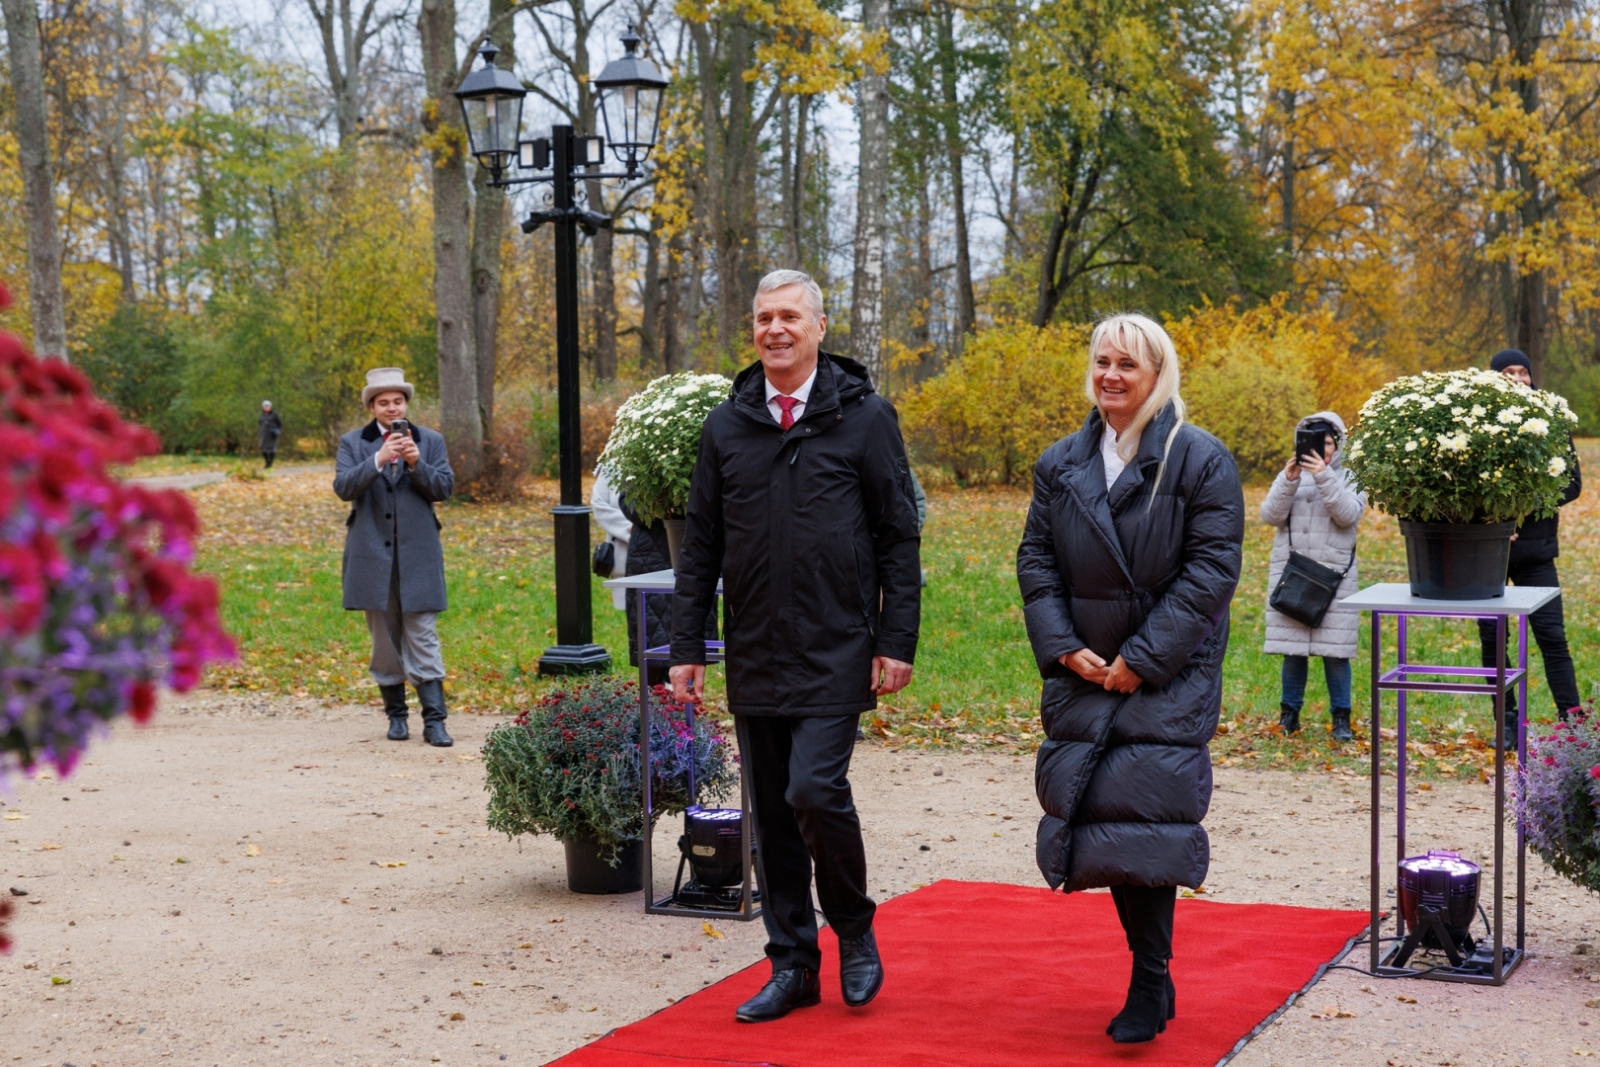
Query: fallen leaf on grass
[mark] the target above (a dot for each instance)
(253, 850)
(711, 931)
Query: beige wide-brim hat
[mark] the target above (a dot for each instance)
(386, 380)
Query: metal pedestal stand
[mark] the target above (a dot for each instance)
(1486, 966)
(643, 586)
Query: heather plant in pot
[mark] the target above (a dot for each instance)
(651, 452)
(1460, 458)
(1557, 797)
(570, 767)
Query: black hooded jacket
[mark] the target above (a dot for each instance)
(1125, 779)
(815, 536)
(1539, 540)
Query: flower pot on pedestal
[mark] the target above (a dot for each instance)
(1457, 561)
(675, 528)
(590, 868)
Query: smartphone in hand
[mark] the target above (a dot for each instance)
(1308, 443)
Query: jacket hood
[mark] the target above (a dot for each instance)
(850, 380)
(1344, 435)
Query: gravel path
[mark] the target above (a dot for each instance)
(266, 881)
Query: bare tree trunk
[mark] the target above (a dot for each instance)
(966, 302)
(38, 185)
(344, 40)
(1286, 98)
(650, 302)
(462, 424)
(488, 236)
(872, 202)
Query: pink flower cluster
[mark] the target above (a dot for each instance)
(97, 603)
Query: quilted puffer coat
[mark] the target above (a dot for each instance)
(1323, 512)
(1125, 779)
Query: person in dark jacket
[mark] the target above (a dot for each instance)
(1127, 566)
(801, 500)
(1533, 562)
(269, 428)
(393, 561)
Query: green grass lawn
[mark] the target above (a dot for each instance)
(275, 548)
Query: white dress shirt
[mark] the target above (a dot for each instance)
(801, 394)
(1108, 455)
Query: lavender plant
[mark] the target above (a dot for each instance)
(1556, 796)
(570, 767)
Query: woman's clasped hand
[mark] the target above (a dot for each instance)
(1115, 676)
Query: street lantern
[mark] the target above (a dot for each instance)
(631, 94)
(491, 104)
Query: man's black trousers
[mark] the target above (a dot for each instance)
(804, 815)
(1549, 631)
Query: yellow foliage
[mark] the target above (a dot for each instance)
(989, 414)
(1248, 377)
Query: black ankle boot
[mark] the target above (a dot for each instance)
(1341, 725)
(394, 705)
(1289, 718)
(431, 696)
(1147, 1010)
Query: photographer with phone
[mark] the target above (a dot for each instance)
(1317, 511)
(393, 473)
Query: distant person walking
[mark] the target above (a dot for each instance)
(393, 473)
(269, 429)
(1316, 508)
(1533, 562)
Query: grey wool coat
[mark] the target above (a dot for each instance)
(1323, 512)
(392, 518)
(1147, 571)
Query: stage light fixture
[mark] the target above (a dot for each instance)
(1438, 897)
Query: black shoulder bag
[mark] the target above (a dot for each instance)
(1306, 588)
(605, 559)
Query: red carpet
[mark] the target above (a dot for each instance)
(985, 975)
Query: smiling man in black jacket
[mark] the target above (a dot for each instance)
(801, 501)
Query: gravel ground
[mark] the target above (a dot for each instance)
(257, 880)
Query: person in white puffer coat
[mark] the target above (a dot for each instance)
(1316, 506)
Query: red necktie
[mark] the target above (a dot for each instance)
(788, 404)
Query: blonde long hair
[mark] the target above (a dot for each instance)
(1144, 340)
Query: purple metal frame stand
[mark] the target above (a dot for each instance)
(668, 905)
(1402, 679)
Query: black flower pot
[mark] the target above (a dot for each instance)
(1457, 561)
(589, 869)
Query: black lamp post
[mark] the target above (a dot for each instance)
(630, 95)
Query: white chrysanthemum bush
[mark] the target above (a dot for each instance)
(1467, 446)
(652, 449)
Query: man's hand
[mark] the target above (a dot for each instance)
(1085, 664)
(408, 450)
(390, 450)
(889, 675)
(1119, 679)
(688, 683)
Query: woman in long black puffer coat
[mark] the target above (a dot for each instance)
(1127, 567)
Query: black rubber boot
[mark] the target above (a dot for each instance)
(394, 705)
(1289, 718)
(1146, 1012)
(1341, 725)
(431, 696)
(1511, 730)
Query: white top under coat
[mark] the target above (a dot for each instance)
(1108, 455)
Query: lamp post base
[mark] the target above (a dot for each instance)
(574, 659)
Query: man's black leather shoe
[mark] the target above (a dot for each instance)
(786, 990)
(860, 969)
